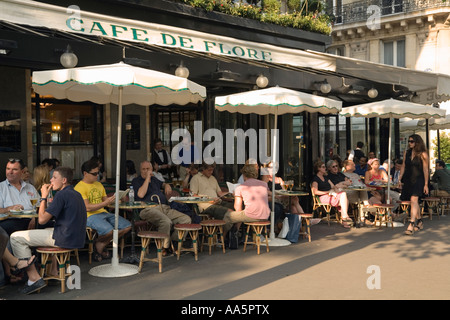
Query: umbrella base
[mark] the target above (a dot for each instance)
(277, 242)
(114, 271)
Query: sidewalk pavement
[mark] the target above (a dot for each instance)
(360, 263)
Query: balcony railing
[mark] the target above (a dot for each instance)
(358, 11)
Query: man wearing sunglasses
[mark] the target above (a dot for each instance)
(98, 218)
(15, 194)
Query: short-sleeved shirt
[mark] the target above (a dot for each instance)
(69, 210)
(93, 192)
(322, 185)
(255, 196)
(154, 188)
(336, 178)
(10, 195)
(201, 184)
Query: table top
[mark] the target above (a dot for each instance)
(360, 188)
(192, 199)
(19, 214)
(136, 205)
(291, 193)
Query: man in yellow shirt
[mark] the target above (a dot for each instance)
(98, 218)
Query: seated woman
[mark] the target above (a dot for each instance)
(253, 194)
(328, 193)
(376, 176)
(266, 176)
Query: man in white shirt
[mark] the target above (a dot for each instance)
(15, 194)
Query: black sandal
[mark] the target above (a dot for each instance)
(18, 270)
(419, 225)
(97, 256)
(410, 232)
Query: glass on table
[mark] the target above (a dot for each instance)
(34, 202)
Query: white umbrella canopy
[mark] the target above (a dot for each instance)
(392, 109)
(440, 124)
(100, 84)
(120, 84)
(277, 101)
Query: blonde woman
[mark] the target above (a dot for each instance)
(41, 176)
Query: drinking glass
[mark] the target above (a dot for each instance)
(34, 202)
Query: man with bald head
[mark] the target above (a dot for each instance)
(147, 186)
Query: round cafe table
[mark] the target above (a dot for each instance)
(134, 209)
(194, 200)
(23, 214)
(360, 205)
(293, 193)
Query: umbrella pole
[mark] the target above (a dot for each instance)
(116, 270)
(388, 201)
(276, 242)
(115, 257)
(274, 152)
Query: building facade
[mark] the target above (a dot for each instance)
(412, 34)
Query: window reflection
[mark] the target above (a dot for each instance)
(10, 131)
(64, 123)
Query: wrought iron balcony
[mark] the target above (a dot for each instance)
(359, 11)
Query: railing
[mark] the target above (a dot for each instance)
(361, 10)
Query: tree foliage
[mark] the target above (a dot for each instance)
(444, 146)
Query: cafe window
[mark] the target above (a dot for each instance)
(10, 131)
(133, 132)
(66, 124)
(68, 131)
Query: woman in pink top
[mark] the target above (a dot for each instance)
(254, 194)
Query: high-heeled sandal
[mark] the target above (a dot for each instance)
(419, 225)
(410, 232)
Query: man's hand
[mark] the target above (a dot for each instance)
(167, 189)
(45, 190)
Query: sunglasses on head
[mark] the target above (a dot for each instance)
(14, 160)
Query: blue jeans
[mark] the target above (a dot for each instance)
(104, 223)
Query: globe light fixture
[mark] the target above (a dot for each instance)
(68, 59)
(262, 81)
(325, 87)
(182, 71)
(372, 93)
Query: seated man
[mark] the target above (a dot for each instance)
(254, 195)
(162, 216)
(15, 194)
(204, 183)
(441, 178)
(362, 166)
(68, 210)
(98, 218)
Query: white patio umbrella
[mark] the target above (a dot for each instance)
(120, 84)
(276, 101)
(392, 109)
(439, 124)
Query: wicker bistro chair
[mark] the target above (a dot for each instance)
(63, 259)
(433, 204)
(326, 208)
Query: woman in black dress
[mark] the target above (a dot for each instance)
(414, 177)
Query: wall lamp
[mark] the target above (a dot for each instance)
(325, 87)
(182, 71)
(372, 93)
(68, 59)
(262, 81)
